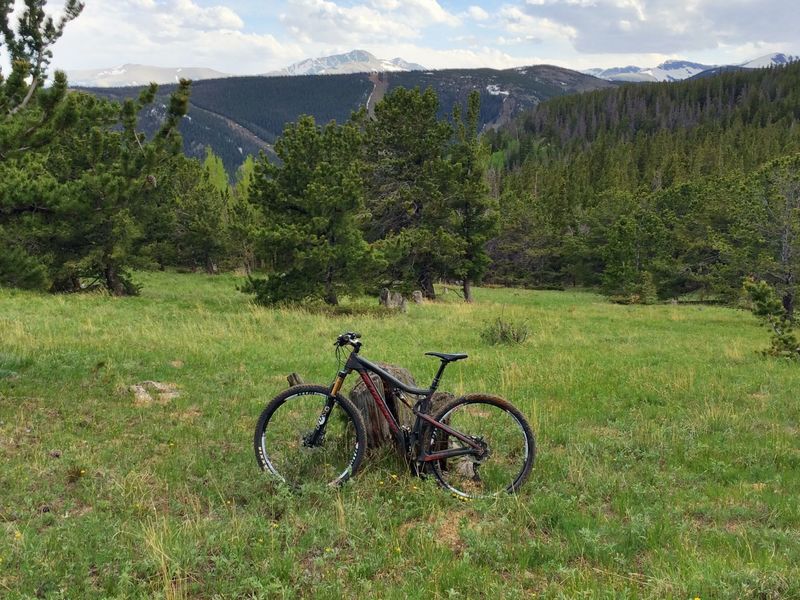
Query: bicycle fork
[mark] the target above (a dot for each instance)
(317, 436)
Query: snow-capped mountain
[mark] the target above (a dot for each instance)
(671, 70)
(770, 60)
(355, 61)
(677, 70)
(127, 75)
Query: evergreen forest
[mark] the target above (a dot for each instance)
(654, 191)
(648, 192)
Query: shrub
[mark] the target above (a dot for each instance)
(500, 331)
(768, 307)
(644, 291)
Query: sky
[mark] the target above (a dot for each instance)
(259, 36)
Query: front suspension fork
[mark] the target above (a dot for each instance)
(315, 437)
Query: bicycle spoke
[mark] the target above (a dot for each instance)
(288, 447)
(504, 461)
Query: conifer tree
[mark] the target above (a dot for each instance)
(244, 217)
(408, 178)
(201, 230)
(475, 209)
(311, 201)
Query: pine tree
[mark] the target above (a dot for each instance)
(407, 179)
(475, 209)
(244, 218)
(311, 201)
(200, 235)
(79, 184)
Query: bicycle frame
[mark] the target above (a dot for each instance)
(364, 367)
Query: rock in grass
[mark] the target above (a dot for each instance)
(147, 392)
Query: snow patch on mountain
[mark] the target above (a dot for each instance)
(678, 70)
(495, 90)
(355, 61)
(771, 60)
(130, 74)
(671, 70)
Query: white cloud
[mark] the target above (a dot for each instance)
(667, 26)
(375, 21)
(516, 21)
(476, 13)
(169, 33)
(253, 36)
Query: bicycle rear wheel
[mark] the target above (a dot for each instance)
(510, 446)
(285, 445)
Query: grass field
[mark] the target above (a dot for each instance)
(668, 465)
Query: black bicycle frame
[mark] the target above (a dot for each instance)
(364, 367)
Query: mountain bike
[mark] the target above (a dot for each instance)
(475, 446)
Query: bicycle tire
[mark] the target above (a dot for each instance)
(281, 448)
(512, 449)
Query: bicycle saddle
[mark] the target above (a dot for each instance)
(447, 357)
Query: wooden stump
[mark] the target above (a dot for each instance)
(378, 432)
(391, 299)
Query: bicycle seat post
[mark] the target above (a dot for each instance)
(435, 382)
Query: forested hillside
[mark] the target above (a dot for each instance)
(654, 188)
(242, 115)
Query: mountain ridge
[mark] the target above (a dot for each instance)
(355, 61)
(679, 69)
(131, 74)
(238, 116)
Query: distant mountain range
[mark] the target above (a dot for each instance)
(238, 116)
(127, 75)
(361, 61)
(678, 70)
(355, 61)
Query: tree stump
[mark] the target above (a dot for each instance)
(391, 299)
(377, 428)
(378, 432)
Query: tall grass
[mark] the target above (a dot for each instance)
(668, 457)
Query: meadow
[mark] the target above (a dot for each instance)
(668, 456)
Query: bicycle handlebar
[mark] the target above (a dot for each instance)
(349, 338)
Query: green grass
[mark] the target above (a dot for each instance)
(668, 466)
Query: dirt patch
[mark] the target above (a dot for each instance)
(190, 414)
(448, 531)
(380, 81)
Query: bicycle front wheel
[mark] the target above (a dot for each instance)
(508, 444)
(290, 446)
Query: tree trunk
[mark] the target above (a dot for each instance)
(467, 290)
(788, 303)
(377, 428)
(426, 283)
(330, 293)
(113, 281)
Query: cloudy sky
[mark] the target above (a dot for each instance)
(256, 36)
